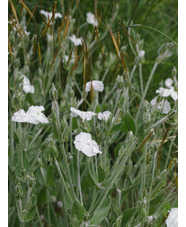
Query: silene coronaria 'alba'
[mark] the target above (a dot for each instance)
(104, 116)
(169, 91)
(26, 85)
(172, 220)
(168, 82)
(84, 115)
(76, 41)
(95, 84)
(20, 116)
(84, 143)
(165, 92)
(164, 105)
(34, 115)
(48, 15)
(91, 19)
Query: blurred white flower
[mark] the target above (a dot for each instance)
(84, 115)
(165, 92)
(84, 143)
(149, 219)
(76, 41)
(172, 220)
(36, 116)
(141, 53)
(96, 85)
(20, 116)
(104, 116)
(59, 204)
(48, 15)
(26, 85)
(164, 105)
(21, 29)
(168, 82)
(91, 19)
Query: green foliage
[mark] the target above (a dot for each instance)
(134, 180)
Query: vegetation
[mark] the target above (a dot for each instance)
(133, 50)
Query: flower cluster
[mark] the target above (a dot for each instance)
(164, 105)
(83, 141)
(90, 20)
(33, 115)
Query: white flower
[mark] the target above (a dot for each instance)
(21, 30)
(84, 115)
(36, 116)
(164, 92)
(96, 85)
(172, 220)
(48, 15)
(83, 142)
(59, 204)
(26, 85)
(20, 116)
(91, 19)
(141, 53)
(164, 105)
(76, 41)
(105, 115)
(168, 82)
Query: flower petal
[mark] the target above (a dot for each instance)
(172, 220)
(96, 85)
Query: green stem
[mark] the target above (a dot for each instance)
(79, 179)
(143, 172)
(132, 72)
(20, 146)
(141, 78)
(62, 179)
(12, 142)
(113, 177)
(48, 207)
(146, 89)
(68, 170)
(39, 218)
(152, 180)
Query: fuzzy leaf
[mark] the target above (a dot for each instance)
(50, 175)
(101, 213)
(128, 214)
(78, 210)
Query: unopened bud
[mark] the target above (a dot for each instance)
(53, 93)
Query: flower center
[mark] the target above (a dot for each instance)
(88, 143)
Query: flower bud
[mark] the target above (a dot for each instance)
(174, 72)
(53, 93)
(165, 51)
